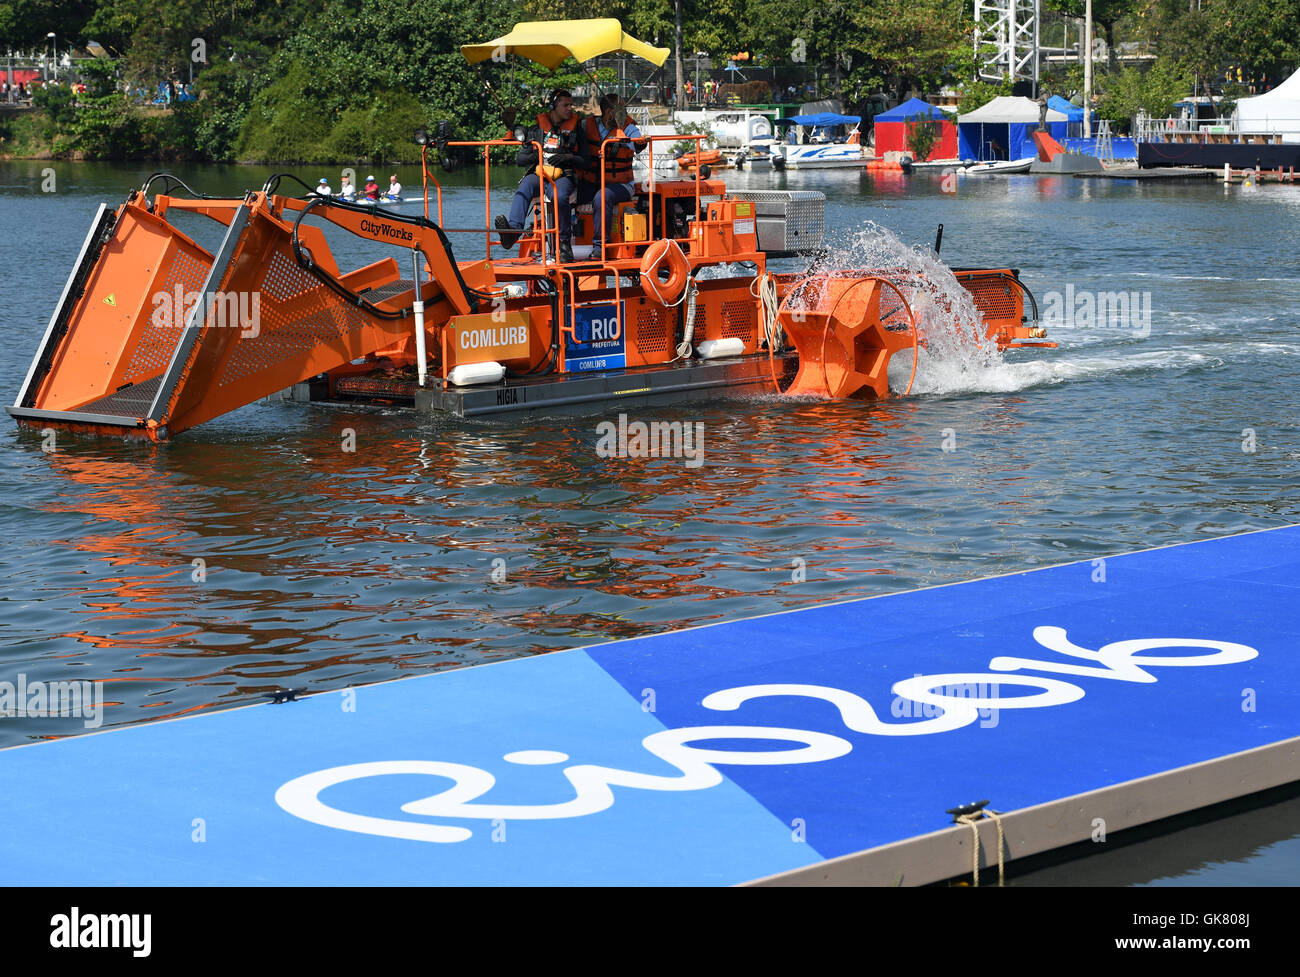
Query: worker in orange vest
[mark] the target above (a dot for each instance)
(614, 159)
(564, 156)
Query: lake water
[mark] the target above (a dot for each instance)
(325, 569)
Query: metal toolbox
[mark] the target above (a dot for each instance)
(788, 220)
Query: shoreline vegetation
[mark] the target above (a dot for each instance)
(347, 82)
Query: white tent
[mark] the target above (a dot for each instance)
(1003, 129)
(1274, 111)
(1009, 108)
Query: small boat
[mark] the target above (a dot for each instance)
(1000, 166)
(705, 157)
(822, 153)
(753, 157)
(940, 164)
(835, 155)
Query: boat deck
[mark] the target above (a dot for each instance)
(826, 744)
(648, 386)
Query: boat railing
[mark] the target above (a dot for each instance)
(542, 234)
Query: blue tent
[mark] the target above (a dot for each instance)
(820, 119)
(822, 123)
(1073, 113)
(910, 109)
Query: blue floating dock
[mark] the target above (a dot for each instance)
(818, 745)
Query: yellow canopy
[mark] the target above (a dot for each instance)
(549, 42)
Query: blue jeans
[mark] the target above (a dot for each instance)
(527, 193)
(615, 193)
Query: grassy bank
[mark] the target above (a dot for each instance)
(379, 135)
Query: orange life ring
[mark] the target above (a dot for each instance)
(664, 256)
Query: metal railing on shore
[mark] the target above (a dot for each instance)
(1178, 129)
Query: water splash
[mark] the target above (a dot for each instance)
(955, 353)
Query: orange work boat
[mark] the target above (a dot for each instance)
(155, 334)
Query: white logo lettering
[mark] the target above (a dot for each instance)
(941, 698)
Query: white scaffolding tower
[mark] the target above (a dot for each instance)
(1006, 39)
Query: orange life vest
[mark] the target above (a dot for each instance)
(551, 144)
(617, 156)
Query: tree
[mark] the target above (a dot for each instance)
(913, 42)
(1153, 92)
(1263, 36)
(24, 23)
(1106, 13)
(922, 135)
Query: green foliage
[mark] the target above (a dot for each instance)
(296, 121)
(922, 135)
(977, 93)
(105, 126)
(689, 145)
(24, 23)
(57, 102)
(1154, 91)
(913, 42)
(23, 136)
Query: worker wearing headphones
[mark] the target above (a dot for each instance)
(564, 155)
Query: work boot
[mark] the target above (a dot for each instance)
(509, 233)
(566, 251)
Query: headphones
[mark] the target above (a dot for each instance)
(558, 94)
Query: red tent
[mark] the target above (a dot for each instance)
(891, 129)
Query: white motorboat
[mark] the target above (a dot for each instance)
(1000, 166)
(822, 153)
(834, 155)
(755, 156)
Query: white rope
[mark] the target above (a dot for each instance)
(766, 295)
(685, 347)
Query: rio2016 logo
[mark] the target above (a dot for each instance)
(591, 785)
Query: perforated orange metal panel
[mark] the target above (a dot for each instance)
(740, 321)
(158, 334)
